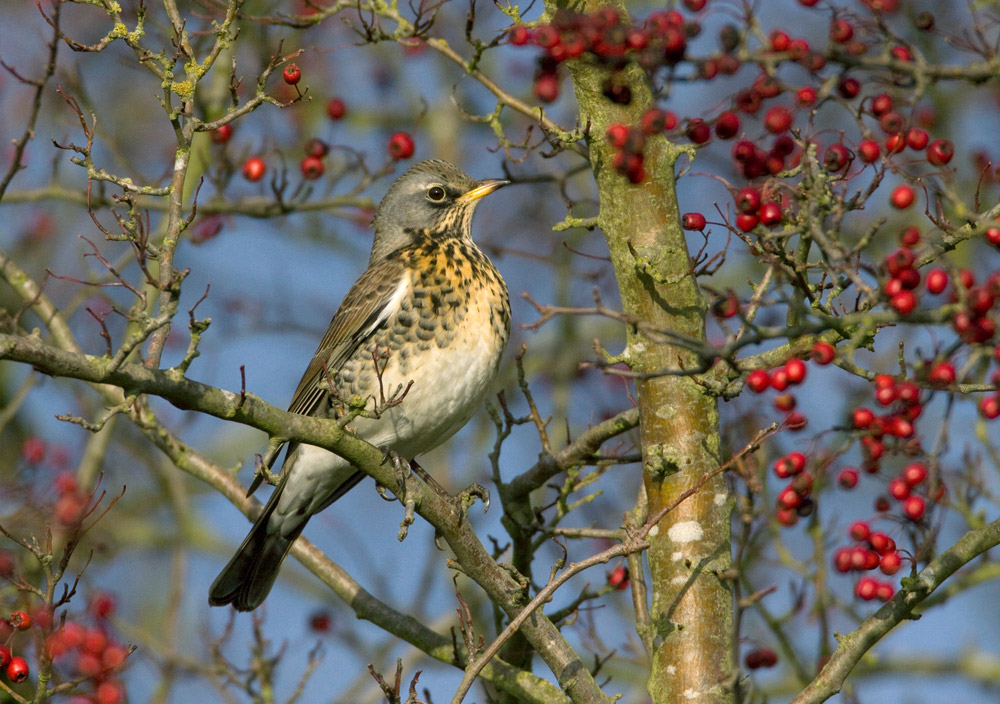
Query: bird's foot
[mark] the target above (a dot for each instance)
(402, 468)
(404, 525)
(467, 498)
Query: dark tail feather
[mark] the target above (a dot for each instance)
(249, 576)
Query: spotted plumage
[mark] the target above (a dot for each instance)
(432, 312)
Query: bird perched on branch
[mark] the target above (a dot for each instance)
(428, 319)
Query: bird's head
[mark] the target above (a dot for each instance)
(432, 196)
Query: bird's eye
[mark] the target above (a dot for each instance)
(436, 194)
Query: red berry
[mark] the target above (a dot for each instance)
(4, 655)
(653, 121)
(770, 214)
(904, 302)
(901, 53)
(990, 407)
(940, 152)
(881, 104)
(823, 353)
(910, 236)
(849, 87)
(890, 563)
(17, 670)
(866, 588)
(862, 418)
(868, 150)
(312, 167)
(320, 621)
(546, 87)
(292, 74)
(698, 131)
(892, 122)
(780, 41)
(914, 507)
(401, 146)
(748, 200)
(884, 591)
(336, 109)
(113, 657)
(942, 373)
(881, 543)
(254, 169)
(618, 577)
(762, 657)
(914, 473)
(693, 221)
(221, 134)
(902, 197)
(109, 692)
(796, 370)
(937, 280)
(617, 133)
(20, 620)
(519, 35)
(759, 380)
(841, 31)
(787, 517)
(895, 143)
(316, 147)
(796, 420)
(993, 236)
(727, 125)
(860, 531)
(848, 478)
(778, 119)
(789, 498)
(837, 158)
(917, 139)
(806, 96)
(33, 450)
(899, 489)
(746, 222)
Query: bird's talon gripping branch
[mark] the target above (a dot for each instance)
(407, 521)
(467, 497)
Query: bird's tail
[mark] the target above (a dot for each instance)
(248, 577)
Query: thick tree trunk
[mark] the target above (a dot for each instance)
(691, 615)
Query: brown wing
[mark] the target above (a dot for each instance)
(363, 310)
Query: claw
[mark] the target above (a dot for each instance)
(407, 521)
(467, 498)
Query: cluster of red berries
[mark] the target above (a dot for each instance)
(629, 142)
(752, 210)
(13, 666)
(792, 373)
(872, 550)
(793, 501)
(899, 135)
(91, 653)
(604, 37)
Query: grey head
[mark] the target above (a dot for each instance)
(433, 197)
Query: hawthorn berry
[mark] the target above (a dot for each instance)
(746, 221)
(320, 622)
(892, 122)
(890, 563)
(895, 143)
(401, 146)
(698, 131)
(292, 74)
(761, 657)
(914, 473)
(848, 478)
(336, 109)
(837, 158)
(866, 588)
(617, 133)
(902, 197)
(748, 200)
(222, 133)
(254, 169)
(20, 620)
(693, 221)
(881, 104)
(898, 488)
(841, 31)
(806, 96)
(618, 577)
(990, 407)
(17, 670)
(33, 450)
(884, 591)
(917, 139)
(914, 507)
(937, 280)
(653, 121)
(796, 370)
(778, 119)
(4, 655)
(770, 214)
(823, 353)
(312, 167)
(942, 373)
(727, 125)
(780, 41)
(759, 380)
(940, 152)
(849, 87)
(868, 150)
(796, 420)
(862, 418)
(860, 531)
(109, 692)
(546, 87)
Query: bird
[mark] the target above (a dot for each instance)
(429, 317)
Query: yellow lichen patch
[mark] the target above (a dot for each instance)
(185, 89)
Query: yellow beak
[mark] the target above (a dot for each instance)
(485, 187)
